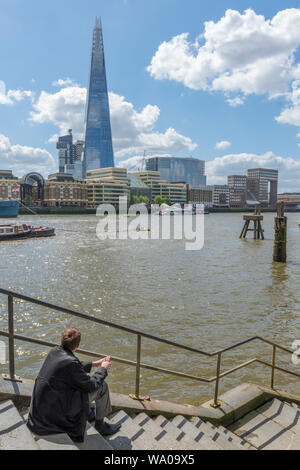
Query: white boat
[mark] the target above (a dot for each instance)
(12, 232)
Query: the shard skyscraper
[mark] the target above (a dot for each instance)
(98, 141)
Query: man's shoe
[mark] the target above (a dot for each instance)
(106, 429)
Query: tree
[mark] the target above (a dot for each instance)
(28, 200)
(134, 200)
(144, 199)
(158, 200)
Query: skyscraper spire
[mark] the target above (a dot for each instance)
(98, 140)
(98, 22)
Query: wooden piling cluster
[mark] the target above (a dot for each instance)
(280, 228)
(257, 227)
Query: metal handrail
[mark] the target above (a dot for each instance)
(11, 335)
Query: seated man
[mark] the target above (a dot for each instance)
(63, 392)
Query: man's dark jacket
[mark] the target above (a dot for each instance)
(60, 402)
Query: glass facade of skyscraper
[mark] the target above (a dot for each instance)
(176, 169)
(98, 140)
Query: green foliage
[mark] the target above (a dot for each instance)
(162, 200)
(139, 200)
(28, 200)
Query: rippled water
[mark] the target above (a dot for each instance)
(209, 299)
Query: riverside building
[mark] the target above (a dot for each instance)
(9, 185)
(63, 190)
(175, 169)
(106, 185)
(263, 183)
(257, 186)
(237, 190)
(200, 195)
(176, 192)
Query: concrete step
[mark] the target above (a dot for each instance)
(14, 434)
(159, 439)
(218, 433)
(183, 436)
(206, 434)
(293, 405)
(281, 413)
(264, 433)
(55, 442)
(131, 436)
(93, 440)
(52, 442)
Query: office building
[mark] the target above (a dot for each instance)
(237, 190)
(263, 184)
(177, 170)
(66, 151)
(98, 140)
(106, 185)
(200, 195)
(220, 195)
(175, 192)
(138, 187)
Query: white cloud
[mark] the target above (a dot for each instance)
(11, 96)
(132, 131)
(64, 82)
(291, 114)
(219, 168)
(237, 101)
(136, 163)
(64, 109)
(222, 145)
(241, 54)
(22, 159)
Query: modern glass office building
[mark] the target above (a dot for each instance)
(175, 169)
(98, 141)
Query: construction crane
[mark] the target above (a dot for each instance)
(141, 164)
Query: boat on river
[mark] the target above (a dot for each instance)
(42, 232)
(14, 232)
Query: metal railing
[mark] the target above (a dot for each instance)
(12, 336)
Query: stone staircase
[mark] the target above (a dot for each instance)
(137, 433)
(274, 425)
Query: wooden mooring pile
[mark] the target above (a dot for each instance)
(257, 229)
(280, 229)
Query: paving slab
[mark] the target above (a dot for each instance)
(14, 434)
(281, 413)
(131, 436)
(183, 437)
(264, 433)
(160, 438)
(93, 440)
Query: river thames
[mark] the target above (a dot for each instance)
(226, 292)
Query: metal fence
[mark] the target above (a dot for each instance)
(12, 336)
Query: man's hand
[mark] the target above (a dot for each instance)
(101, 363)
(106, 365)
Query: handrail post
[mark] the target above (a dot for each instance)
(215, 403)
(137, 396)
(273, 365)
(11, 345)
(138, 366)
(11, 341)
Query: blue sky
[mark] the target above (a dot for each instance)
(226, 92)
